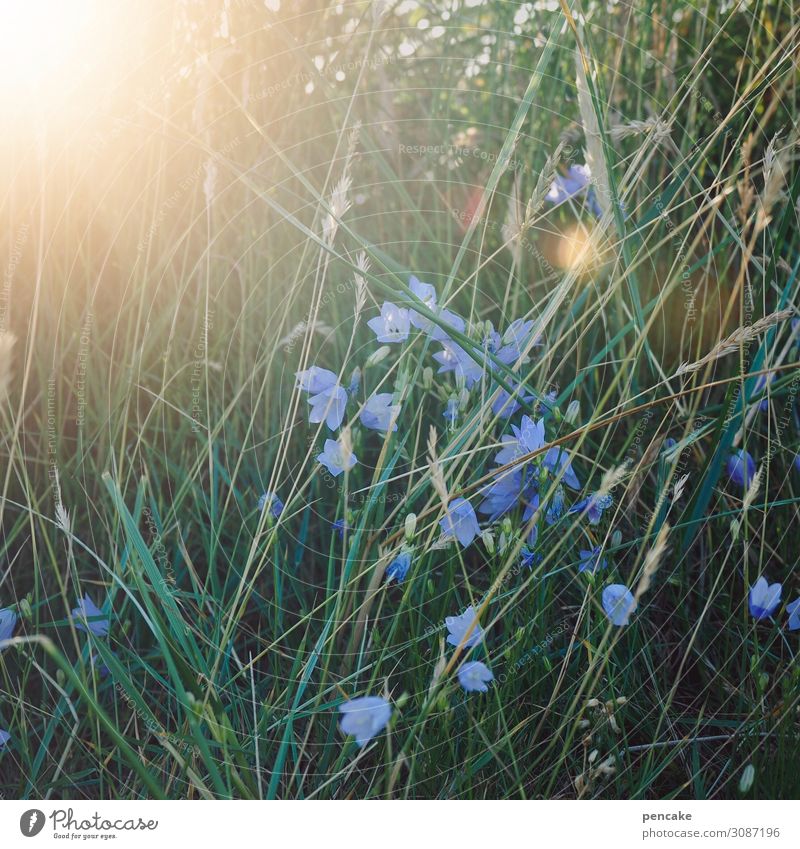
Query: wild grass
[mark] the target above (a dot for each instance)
(236, 211)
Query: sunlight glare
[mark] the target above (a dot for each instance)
(43, 44)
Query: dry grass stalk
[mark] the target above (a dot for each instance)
(740, 336)
(594, 143)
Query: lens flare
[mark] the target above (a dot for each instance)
(40, 39)
(577, 249)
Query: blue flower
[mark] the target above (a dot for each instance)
(764, 598)
(271, 500)
(793, 609)
(519, 483)
(452, 320)
(574, 182)
(378, 412)
(515, 340)
(315, 380)
(505, 491)
(741, 468)
(98, 664)
(4, 738)
(589, 561)
(451, 412)
(365, 717)
(593, 507)
(489, 338)
(555, 507)
(454, 358)
(392, 325)
(505, 405)
(460, 521)
(335, 459)
(427, 294)
(527, 438)
(459, 626)
(760, 388)
(566, 185)
(398, 568)
(618, 603)
(328, 406)
(90, 618)
(529, 558)
(8, 621)
(327, 398)
(474, 676)
(340, 526)
(557, 460)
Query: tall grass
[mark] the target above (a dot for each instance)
(237, 207)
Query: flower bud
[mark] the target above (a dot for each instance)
(616, 539)
(355, 381)
(573, 411)
(401, 383)
(488, 541)
(377, 356)
(25, 608)
(411, 526)
(748, 776)
(427, 377)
